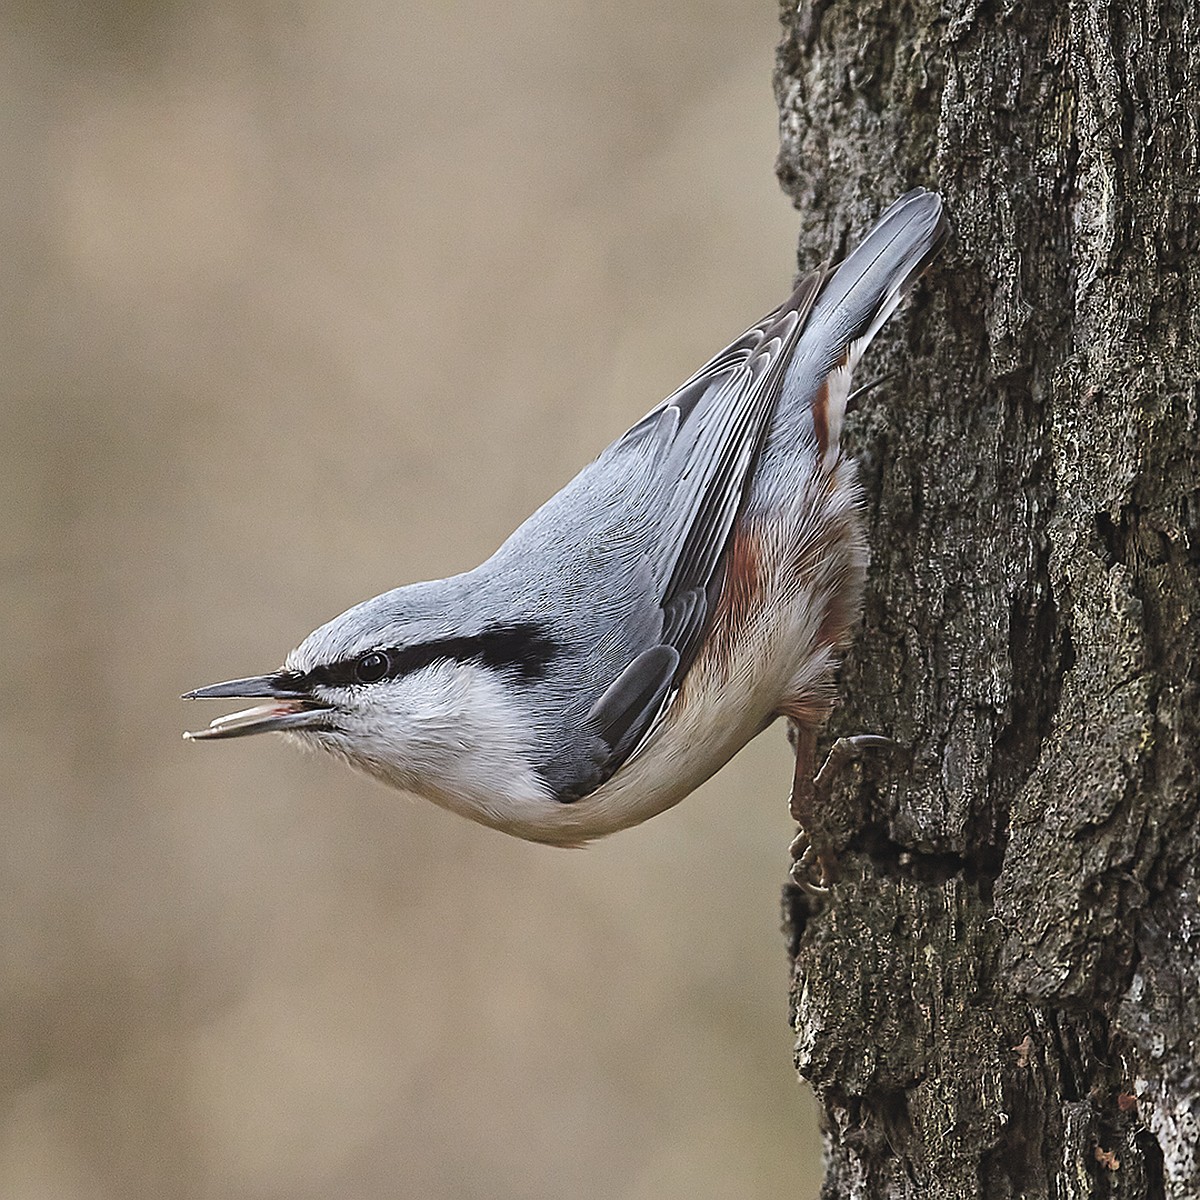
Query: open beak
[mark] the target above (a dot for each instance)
(288, 709)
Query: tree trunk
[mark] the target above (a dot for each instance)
(1000, 996)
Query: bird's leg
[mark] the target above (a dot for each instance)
(814, 867)
(808, 870)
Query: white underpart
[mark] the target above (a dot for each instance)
(449, 733)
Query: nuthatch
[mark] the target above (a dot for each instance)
(698, 580)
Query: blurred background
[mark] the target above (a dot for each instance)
(303, 301)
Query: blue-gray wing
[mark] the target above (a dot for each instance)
(722, 416)
(709, 433)
(624, 565)
(634, 547)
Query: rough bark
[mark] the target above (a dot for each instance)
(1001, 995)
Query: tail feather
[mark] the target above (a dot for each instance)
(857, 299)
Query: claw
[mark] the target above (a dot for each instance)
(845, 750)
(814, 868)
(806, 871)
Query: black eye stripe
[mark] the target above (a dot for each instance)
(523, 648)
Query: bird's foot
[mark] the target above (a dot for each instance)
(844, 751)
(808, 872)
(814, 865)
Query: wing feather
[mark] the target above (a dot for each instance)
(718, 420)
(634, 697)
(692, 460)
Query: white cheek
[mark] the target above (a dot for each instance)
(411, 722)
(448, 732)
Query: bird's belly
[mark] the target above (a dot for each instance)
(690, 745)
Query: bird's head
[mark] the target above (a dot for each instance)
(407, 686)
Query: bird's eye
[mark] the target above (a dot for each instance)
(371, 668)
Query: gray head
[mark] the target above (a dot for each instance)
(417, 687)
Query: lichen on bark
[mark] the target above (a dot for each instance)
(1002, 995)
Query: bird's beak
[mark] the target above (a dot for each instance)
(289, 708)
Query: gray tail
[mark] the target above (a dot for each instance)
(858, 297)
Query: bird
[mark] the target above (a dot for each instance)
(697, 581)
